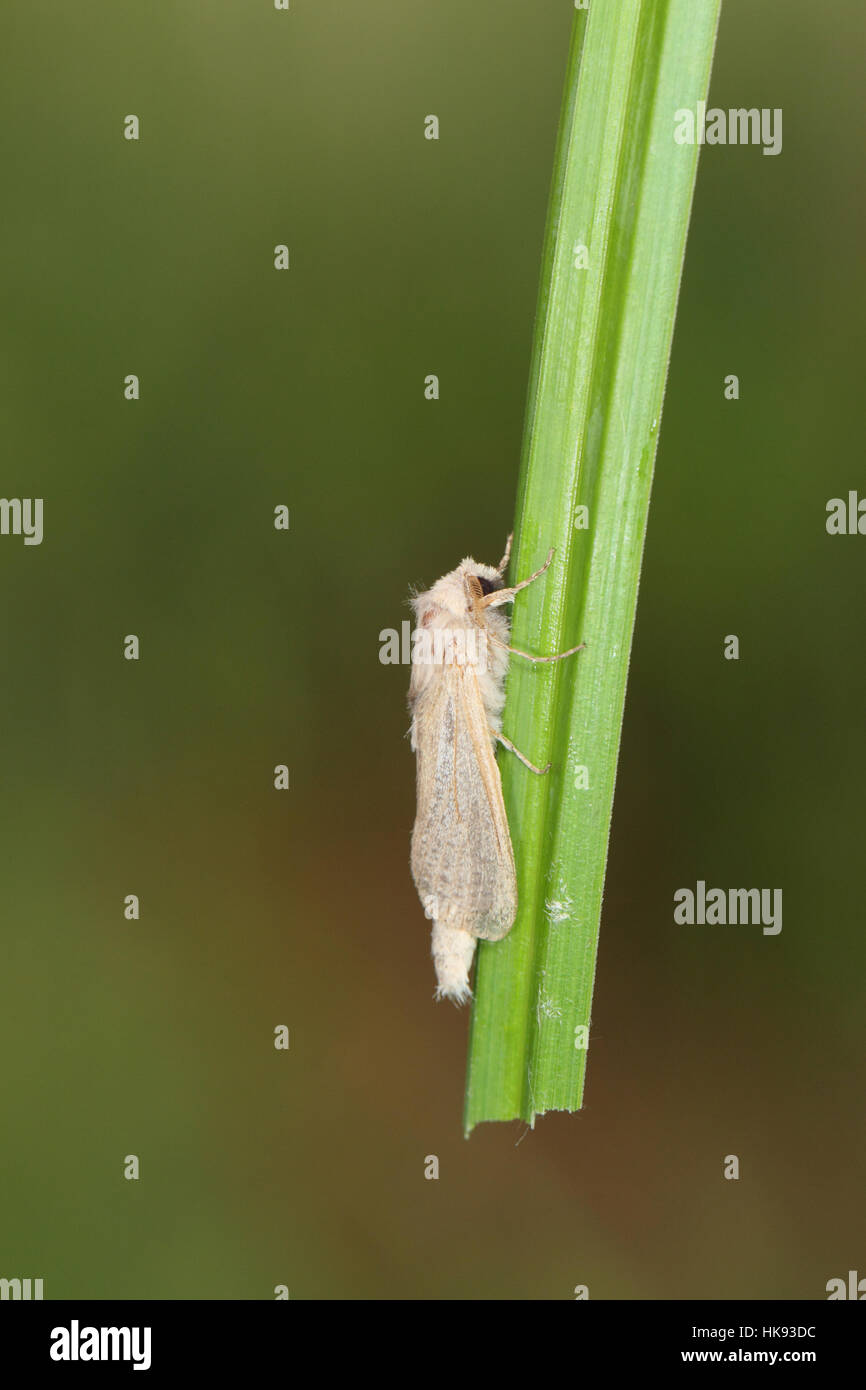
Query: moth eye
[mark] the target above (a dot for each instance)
(488, 585)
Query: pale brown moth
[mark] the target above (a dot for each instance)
(462, 860)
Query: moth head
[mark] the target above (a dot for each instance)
(480, 581)
(460, 592)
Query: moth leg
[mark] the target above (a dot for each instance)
(506, 743)
(503, 563)
(506, 595)
(557, 656)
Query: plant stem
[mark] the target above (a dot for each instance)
(622, 190)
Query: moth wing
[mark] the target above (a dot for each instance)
(462, 860)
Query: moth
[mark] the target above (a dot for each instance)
(462, 860)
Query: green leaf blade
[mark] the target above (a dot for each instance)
(623, 189)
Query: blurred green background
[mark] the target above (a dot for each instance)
(258, 647)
